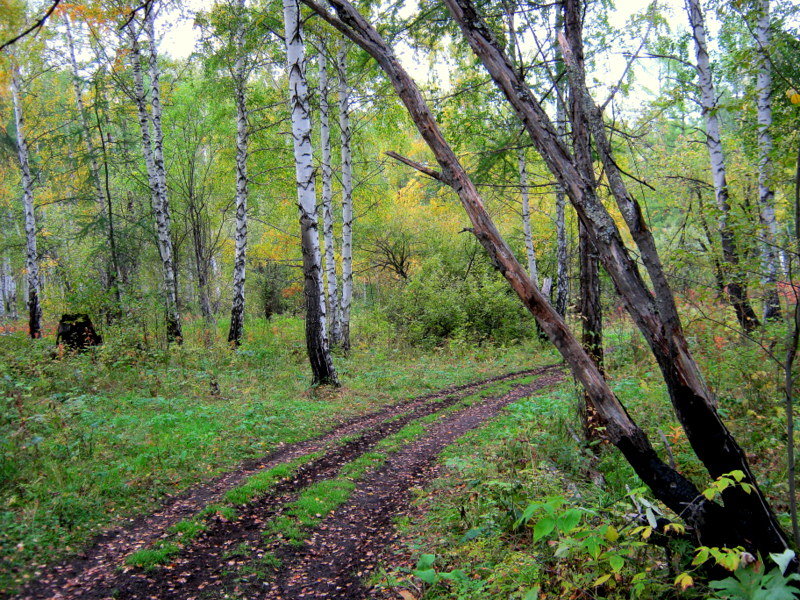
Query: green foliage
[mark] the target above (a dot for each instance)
(753, 582)
(89, 439)
(438, 304)
(272, 279)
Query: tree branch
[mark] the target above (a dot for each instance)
(419, 167)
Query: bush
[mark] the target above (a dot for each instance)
(438, 304)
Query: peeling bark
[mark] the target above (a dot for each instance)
(737, 288)
(347, 199)
(766, 196)
(240, 258)
(316, 335)
(31, 253)
(154, 161)
(332, 298)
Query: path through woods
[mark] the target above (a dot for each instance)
(338, 553)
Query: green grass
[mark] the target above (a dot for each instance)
(151, 558)
(183, 532)
(89, 440)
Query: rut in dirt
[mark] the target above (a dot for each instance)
(345, 549)
(95, 572)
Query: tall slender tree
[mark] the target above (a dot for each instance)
(347, 198)
(766, 195)
(737, 289)
(316, 334)
(103, 202)
(152, 148)
(562, 253)
(31, 252)
(332, 298)
(240, 74)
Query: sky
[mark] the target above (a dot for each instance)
(180, 38)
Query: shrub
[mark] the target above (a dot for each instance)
(438, 304)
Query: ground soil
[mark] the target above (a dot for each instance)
(340, 552)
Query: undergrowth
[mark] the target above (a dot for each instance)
(87, 440)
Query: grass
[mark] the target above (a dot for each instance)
(89, 440)
(183, 532)
(321, 498)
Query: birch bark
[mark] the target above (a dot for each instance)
(766, 195)
(347, 199)
(240, 75)
(562, 255)
(737, 290)
(526, 217)
(9, 289)
(31, 253)
(155, 175)
(316, 335)
(332, 298)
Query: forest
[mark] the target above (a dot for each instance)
(444, 299)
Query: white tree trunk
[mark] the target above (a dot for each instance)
(766, 195)
(316, 335)
(240, 74)
(533, 271)
(708, 102)
(562, 256)
(8, 287)
(327, 202)
(157, 180)
(31, 254)
(347, 198)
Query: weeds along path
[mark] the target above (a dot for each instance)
(345, 548)
(96, 572)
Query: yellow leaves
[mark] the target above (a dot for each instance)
(793, 95)
(601, 580)
(684, 581)
(612, 535)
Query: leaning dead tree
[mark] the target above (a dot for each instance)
(741, 518)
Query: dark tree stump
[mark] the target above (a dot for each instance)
(76, 332)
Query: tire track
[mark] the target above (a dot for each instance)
(94, 573)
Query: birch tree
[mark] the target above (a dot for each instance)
(240, 74)
(31, 252)
(8, 289)
(530, 251)
(332, 298)
(347, 198)
(562, 255)
(152, 148)
(737, 289)
(316, 335)
(766, 195)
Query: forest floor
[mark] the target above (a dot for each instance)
(312, 519)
